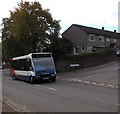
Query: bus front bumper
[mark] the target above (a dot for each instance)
(44, 77)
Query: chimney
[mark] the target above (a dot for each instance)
(102, 28)
(114, 30)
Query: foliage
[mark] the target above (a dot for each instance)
(59, 47)
(103, 53)
(29, 28)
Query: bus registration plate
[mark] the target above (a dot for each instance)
(45, 78)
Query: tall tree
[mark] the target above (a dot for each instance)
(29, 28)
(60, 46)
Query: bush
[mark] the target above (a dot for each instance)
(102, 53)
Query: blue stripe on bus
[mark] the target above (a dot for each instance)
(23, 77)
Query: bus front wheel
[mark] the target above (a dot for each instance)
(31, 80)
(53, 80)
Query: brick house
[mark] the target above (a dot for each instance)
(84, 38)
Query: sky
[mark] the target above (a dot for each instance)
(91, 13)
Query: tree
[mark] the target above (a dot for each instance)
(9, 43)
(60, 46)
(29, 28)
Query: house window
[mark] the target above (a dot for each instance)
(108, 40)
(101, 38)
(92, 37)
(83, 49)
(115, 40)
(75, 51)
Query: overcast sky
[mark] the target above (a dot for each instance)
(92, 13)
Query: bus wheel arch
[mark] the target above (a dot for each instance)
(53, 79)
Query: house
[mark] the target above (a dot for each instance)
(84, 38)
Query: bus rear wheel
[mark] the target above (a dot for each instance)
(14, 77)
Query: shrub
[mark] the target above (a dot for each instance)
(102, 53)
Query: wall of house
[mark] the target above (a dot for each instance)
(111, 41)
(77, 36)
(81, 40)
(98, 43)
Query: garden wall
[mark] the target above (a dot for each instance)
(86, 60)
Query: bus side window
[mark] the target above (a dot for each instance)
(28, 65)
(22, 66)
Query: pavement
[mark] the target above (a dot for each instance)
(6, 107)
(105, 75)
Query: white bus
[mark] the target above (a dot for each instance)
(34, 66)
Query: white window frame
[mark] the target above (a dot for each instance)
(102, 38)
(83, 50)
(93, 37)
(75, 51)
(115, 40)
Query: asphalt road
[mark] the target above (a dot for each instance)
(61, 96)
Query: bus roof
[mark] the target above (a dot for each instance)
(21, 57)
(30, 55)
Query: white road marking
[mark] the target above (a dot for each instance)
(87, 82)
(116, 69)
(109, 85)
(47, 87)
(93, 83)
(101, 84)
(74, 79)
(8, 78)
(80, 80)
(37, 85)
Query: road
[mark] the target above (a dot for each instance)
(61, 96)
